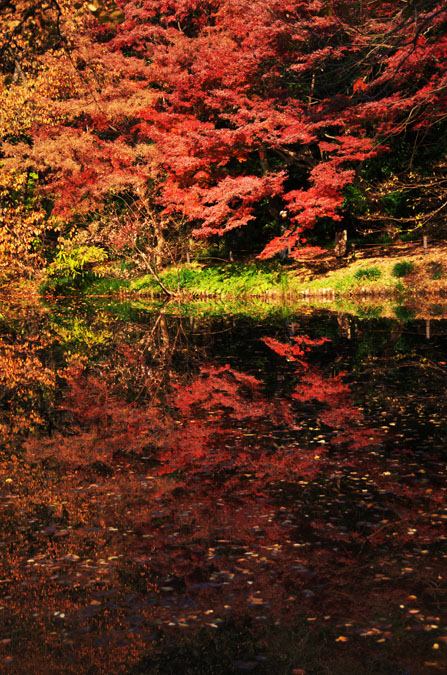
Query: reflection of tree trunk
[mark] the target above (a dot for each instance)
(396, 334)
(160, 343)
(164, 334)
(344, 326)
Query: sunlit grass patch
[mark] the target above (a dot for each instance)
(252, 278)
(145, 283)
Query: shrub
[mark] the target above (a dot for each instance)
(74, 262)
(369, 273)
(403, 268)
(435, 269)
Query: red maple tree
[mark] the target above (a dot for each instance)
(216, 113)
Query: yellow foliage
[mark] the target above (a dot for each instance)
(22, 222)
(23, 382)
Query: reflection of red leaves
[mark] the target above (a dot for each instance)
(291, 352)
(218, 411)
(339, 412)
(235, 511)
(302, 345)
(318, 388)
(309, 342)
(337, 416)
(355, 438)
(102, 424)
(221, 390)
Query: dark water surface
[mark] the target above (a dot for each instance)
(183, 492)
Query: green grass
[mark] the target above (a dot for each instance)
(232, 279)
(342, 282)
(145, 284)
(254, 279)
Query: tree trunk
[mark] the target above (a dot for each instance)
(341, 243)
(160, 245)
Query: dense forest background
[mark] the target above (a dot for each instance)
(141, 129)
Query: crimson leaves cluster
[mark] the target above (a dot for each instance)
(226, 110)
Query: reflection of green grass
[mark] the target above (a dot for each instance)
(438, 310)
(401, 345)
(106, 286)
(369, 311)
(403, 313)
(215, 307)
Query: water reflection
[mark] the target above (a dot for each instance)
(191, 494)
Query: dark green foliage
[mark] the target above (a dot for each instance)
(395, 204)
(368, 273)
(355, 199)
(403, 268)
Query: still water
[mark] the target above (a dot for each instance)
(191, 490)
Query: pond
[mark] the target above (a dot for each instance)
(198, 489)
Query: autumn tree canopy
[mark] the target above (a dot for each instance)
(147, 118)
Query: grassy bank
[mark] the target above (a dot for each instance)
(403, 271)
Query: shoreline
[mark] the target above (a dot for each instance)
(408, 276)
